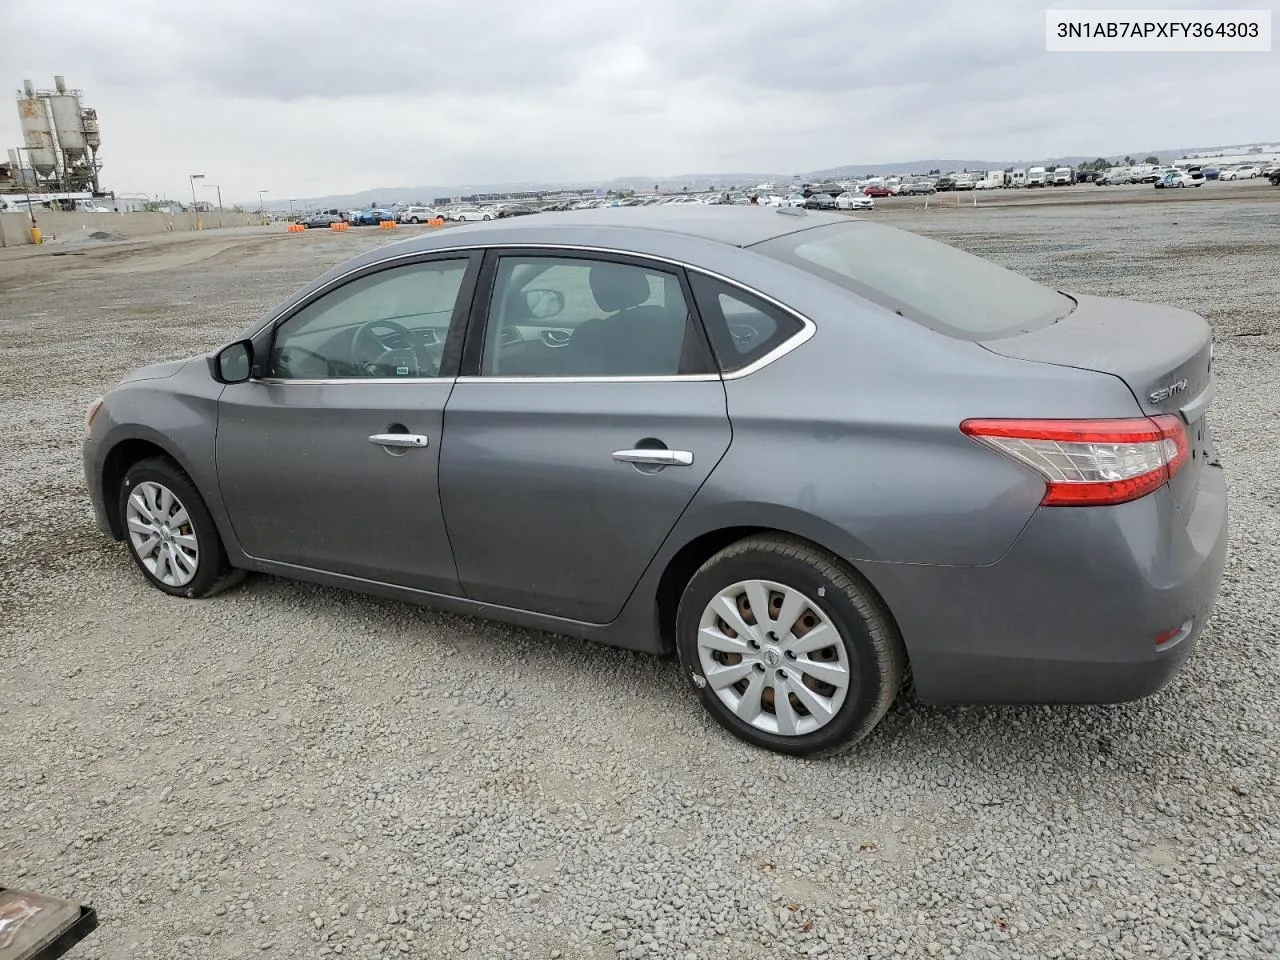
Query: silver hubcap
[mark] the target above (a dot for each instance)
(773, 657)
(161, 534)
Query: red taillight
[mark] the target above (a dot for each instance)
(1090, 462)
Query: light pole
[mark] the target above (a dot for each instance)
(218, 187)
(194, 209)
(262, 217)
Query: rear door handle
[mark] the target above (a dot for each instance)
(657, 457)
(399, 440)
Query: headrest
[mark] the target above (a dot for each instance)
(617, 287)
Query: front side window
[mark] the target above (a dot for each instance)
(931, 283)
(580, 317)
(389, 324)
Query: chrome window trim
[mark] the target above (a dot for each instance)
(286, 381)
(673, 378)
(799, 338)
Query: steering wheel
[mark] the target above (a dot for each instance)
(368, 352)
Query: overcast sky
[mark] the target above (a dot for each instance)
(313, 97)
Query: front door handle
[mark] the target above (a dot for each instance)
(658, 457)
(399, 440)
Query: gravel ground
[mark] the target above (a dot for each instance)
(290, 771)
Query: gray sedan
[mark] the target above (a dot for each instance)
(808, 453)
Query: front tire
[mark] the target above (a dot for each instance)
(787, 647)
(170, 532)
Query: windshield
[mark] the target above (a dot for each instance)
(931, 283)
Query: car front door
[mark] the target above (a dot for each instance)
(588, 415)
(328, 457)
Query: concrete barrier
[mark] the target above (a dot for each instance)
(15, 228)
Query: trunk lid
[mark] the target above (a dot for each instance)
(1163, 355)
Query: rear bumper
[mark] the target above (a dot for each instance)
(1072, 612)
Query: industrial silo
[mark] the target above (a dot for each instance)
(64, 107)
(37, 131)
(76, 129)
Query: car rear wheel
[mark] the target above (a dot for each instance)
(414, 220)
(170, 532)
(787, 648)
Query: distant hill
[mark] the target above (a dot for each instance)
(696, 182)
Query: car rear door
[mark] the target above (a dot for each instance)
(588, 415)
(328, 456)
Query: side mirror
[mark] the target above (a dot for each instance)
(544, 304)
(233, 363)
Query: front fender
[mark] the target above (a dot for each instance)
(176, 416)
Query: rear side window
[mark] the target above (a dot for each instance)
(932, 283)
(742, 328)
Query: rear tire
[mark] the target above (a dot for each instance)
(762, 681)
(170, 532)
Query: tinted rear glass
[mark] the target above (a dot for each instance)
(932, 283)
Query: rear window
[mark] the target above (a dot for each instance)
(931, 283)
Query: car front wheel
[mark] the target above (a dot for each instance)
(787, 648)
(170, 532)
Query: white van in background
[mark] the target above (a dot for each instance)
(1037, 177)
(1063, 177)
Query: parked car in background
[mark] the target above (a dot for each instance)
(963, 181)
(320, 220)
(1112, 177)
(1034, 514)
(832, 190)
(372, 217)
(467, 214)
(1211, 173)
(1172, 178)
(820, 201)
(1274, 178)
(515, 210)
(944, 183)
(854, 201)
(914, 188)
(876, 190)
(418, 214)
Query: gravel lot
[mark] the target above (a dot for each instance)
(289, 771)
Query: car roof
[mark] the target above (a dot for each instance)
(740, 225)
